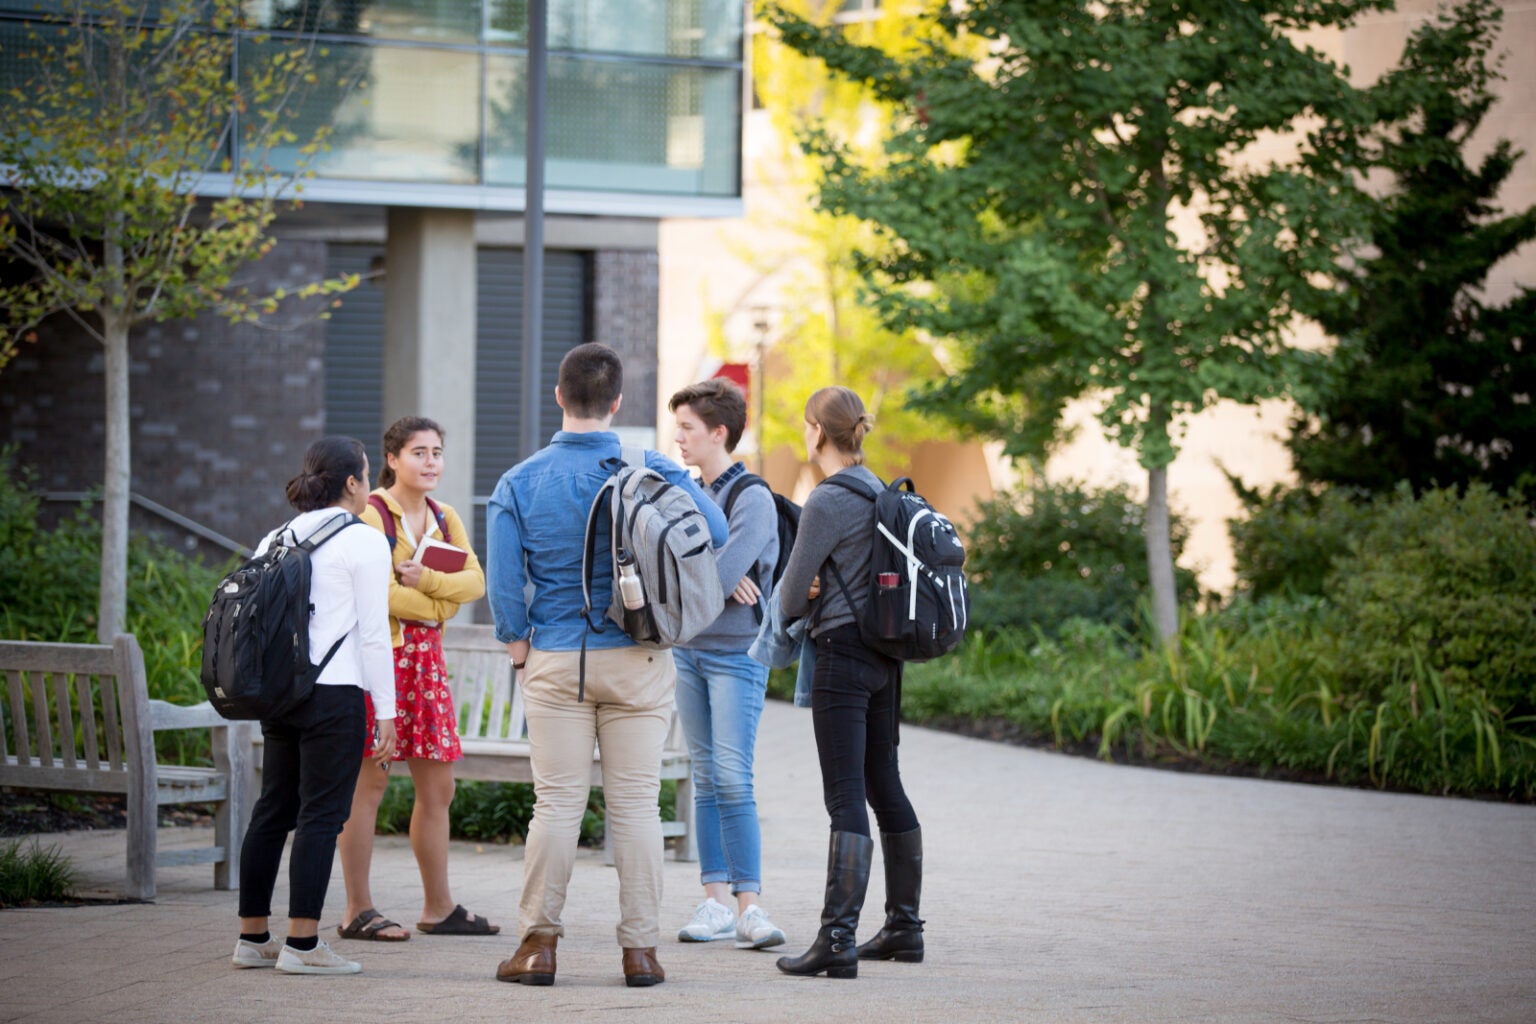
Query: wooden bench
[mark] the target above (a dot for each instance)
(78, 718)
(494, 734)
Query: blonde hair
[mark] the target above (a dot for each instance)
(840, 414)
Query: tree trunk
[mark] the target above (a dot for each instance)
(113, 604)
(1165, 598)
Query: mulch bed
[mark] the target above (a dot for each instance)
(25, 812)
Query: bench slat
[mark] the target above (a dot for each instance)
(88, 720)
(42, 725)
(110, 721)
(66, 714)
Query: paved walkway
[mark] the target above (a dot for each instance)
(1059, 890)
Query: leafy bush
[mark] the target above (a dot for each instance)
(498, 812)
(36, 875)
(1292, 537)
(1442, 586)
(1056, 552)
(1254, 688)
(49, 592)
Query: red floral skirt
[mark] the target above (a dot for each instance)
(426, 722)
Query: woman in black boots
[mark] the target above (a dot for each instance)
(855, 701)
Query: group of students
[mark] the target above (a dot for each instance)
(384, 696)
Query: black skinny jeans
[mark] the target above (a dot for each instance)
(309, 770)
(854, 711)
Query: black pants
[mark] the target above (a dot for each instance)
(309, 770)
(854, 710)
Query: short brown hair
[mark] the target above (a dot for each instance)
(591, 380)
(719, 403)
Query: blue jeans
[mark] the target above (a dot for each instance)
(720, 699)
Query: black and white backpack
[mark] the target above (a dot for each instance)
(919, 602)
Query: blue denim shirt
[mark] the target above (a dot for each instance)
(536, 526)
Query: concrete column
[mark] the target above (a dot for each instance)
(429, 336)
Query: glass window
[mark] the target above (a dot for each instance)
(456, 21)
(415, 116)
(619, 125)
(709, 29)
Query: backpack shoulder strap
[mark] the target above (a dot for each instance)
(388, 517)
(332, 527)
(746, 480)
(857, 487)
(442, 520)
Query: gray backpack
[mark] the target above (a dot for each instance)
(657, 524)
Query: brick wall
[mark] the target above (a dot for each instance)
(220, 414)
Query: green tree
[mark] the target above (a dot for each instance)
(1428, 384)
(1090, 211)
(126, 110)
(828, 332)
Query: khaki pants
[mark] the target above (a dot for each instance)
(627, 710)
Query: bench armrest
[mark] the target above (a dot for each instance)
(165, 715)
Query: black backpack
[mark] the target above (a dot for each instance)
(256, 633)
(919, 603)
(788, 515)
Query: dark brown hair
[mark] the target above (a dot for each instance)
(839, 412)
(717, 402)
(395, 438)
(591, 378)
(327, 465)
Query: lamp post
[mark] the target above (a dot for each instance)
(760, 324)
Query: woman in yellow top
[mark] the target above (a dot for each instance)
(421, 600)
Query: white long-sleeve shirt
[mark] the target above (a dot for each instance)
(349, 588)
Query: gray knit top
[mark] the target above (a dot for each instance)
(753, 541)
(837, 524)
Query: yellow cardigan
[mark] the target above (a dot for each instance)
(436, 598)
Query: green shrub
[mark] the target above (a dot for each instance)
(49, 592)
(35, 875)
(1292, 537)
(1051, 553)
(1445, 585)
(493, 812)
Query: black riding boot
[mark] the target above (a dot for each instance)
(902, 937)
(848, 856)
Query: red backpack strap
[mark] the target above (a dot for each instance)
(386, 515)
(442, 521)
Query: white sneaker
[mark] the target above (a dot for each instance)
(755, 931)
(320, 960)
(713, 920)
(256, 954)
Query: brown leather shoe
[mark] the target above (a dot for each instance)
(641, 968)
(533, 963)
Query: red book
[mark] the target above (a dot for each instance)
(434, 554)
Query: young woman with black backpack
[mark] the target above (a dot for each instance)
(312, 753)
(855, 703)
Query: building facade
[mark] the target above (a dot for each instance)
(422, 192)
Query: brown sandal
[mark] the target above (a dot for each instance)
(367, 926)
(458, 923)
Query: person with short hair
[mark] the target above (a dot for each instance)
(855, 701)
(720, 690)
(311, 753)
(421, 601)
(536, 533)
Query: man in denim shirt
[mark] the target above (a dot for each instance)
(536, 531)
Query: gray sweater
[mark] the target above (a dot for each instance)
(754, 539)
(835, 524)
